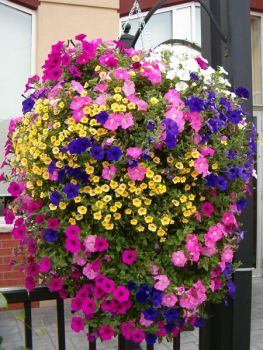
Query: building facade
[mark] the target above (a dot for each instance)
(179, 19)
(27, 30)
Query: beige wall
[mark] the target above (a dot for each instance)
(63, 19)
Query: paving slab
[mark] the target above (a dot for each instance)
(45, 329)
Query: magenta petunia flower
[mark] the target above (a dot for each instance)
(53, 223)
(121, 294)
(39, 219)
(19, 232)
(9, 217)
(72, 230)
(14, 189)
(106, 332)
(55, 284)
(137, 335)
(45, 265)
(72, 244)
(77, 324)
(207, 209)
(101, 244)
(128, 256)
(88, 306)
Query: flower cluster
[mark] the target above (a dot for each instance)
(129, 169)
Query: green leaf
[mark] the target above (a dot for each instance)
(3, 302)
(21, 316)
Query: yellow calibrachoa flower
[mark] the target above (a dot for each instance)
(142, 211)
(82, 210)
(152, 227)
(137, 202)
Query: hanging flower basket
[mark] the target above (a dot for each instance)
(129, 170)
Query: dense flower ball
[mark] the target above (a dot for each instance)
(129, 169)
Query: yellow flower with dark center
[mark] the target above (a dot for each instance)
(137, 202)
(142, 211)
(82, 210)
(152, 227)
(97, 215)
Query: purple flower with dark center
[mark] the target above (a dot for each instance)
(169, 327)
(225, 103)
(171, 314)
(150, 314)
(242, 92)
(241, 204)
(231, 154)
(51, 235)
(156, 298)
(170, 126)
(52, 167)
(71, 190)
(61, 175)
(195, 104)
(221, 183)
(228, 270)
(211, 180)
(79, 145)
(234, 116)
(151, 339)
(151, 125)
(199, 322)
(194, 76)
(113, 153)
(244, 173)
(214, 124)
(97, 152)
(132, 163)
(231, 288)
(146, 155)
(28, 104)
(55, 198)
(231, 173)
(102, 117)
(141, 296)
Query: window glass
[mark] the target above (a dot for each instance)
(256, 60)
(15, 66)
(157, 30)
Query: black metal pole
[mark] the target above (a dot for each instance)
(229, 327)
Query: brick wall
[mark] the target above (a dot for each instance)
(9, 275)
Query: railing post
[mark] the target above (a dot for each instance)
(28, 325)
(61, 324)
(228, 328)
(176, 342)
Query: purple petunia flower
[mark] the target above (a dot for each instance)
(97, 152)
(242, 92)
(234, 116)
(102, 117)
(150, 314)
(51, 235)
(71, 190)
(113, 153)
(28, 104)
(55, 198)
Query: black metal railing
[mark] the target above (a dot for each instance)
(20, 295)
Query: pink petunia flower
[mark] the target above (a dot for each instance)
(137, 335)
(113, 121)
(201, 165)
(72, 231)
(14, 189)
(55, 284)
(169, 299)
(53, 223)
(179, 259)
(161, 282)
(137, 173)
(134, 152)
(89, 243)
(126, 121)
(109, 172)
(72, 244)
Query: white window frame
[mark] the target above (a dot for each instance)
(33, 30)
(192, 5)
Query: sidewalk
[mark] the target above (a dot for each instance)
(45, 332)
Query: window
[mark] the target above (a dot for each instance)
(16, 38)
(177, 22)
(256, 40)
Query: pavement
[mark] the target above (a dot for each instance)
(45, 329)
